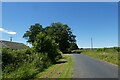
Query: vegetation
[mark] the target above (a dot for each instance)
(60, 33)
(73, 46)
(47, 46)
(106, 54)
(32, 33)
(62, 69)
(22, 64)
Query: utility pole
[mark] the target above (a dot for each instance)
(91, 43)
(11, 39)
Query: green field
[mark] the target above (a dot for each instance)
(62, 69)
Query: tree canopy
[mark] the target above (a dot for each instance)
(45, 44)
(31, 34)
(58, 32)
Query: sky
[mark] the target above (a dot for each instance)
(60, 0)
(98, 20)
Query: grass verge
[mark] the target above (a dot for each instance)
(62, 69)
(105, 56)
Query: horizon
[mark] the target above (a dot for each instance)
(86, 20)
(78, 47)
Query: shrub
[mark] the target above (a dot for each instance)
(23, 64)
(46, 44)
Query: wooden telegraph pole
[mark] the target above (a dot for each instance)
(91, 43)
(11, 39)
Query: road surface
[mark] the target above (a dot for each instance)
(87, 67)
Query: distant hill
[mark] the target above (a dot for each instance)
(12, 45)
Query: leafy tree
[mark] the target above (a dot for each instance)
(31, 34)
(45, 44)
(73, 46)
(62, 35)
(117, 49)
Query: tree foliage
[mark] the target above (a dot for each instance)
(73, 46)
(62, 35)
(22, 64)
(31, 34)
(47, 45)
(50, 39)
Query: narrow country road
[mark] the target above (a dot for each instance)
(87, 67)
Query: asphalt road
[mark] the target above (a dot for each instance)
(87, 67)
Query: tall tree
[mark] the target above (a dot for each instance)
(31, 34)
(62, 34)
(44, 44)
(73, 46)
(59, 32)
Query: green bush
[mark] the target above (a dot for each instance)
(22, 64)
(26, 63)
(116, 49)
(46, 44)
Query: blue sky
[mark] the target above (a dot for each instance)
(86, 19)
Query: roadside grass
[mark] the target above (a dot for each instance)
(62, 69)
(108, 56)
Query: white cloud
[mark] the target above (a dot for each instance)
(6, 31)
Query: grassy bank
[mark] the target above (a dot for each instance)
(108, 55)
(62, 69)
